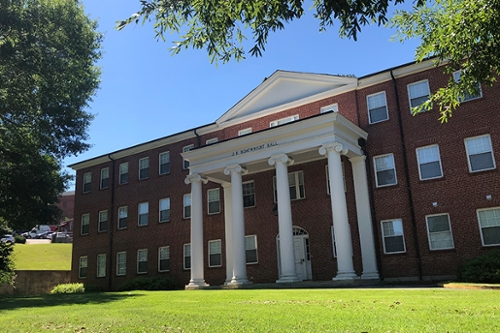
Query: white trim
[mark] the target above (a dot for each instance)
(245, 131)
(468, 155)
(471, 98)
(167, 199)
(159, 258)
(139, 261)
(184, 206)
(208, 201)
(145, 168)
(105, 264)
(185, 149)
(118, 254)
(254, 196)
(211, 141)
(184, 256)
(334, 243)
(481, 228)
(120, 173)
(438, 160)
(160, 164)
(409, 93)
(85, 182)
(429, 233)
(142, 204)
(393, 167)
(87, 215)
(327, 174)
(284, 120)
(118, 218)
(332, 107)
(385, 105)
(80, 267)
(100, 181)
(210, 253)
(384, 236)
(297, 185)
(99, 221)
(256, 249)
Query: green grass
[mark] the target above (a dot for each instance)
(42, 256)
(297, 310)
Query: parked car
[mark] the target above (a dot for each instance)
(8, 239)
(43, 235)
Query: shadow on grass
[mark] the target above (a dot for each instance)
(17, 302)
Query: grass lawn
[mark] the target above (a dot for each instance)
(42, 256)
(295, 310)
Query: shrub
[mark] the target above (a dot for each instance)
(20, 239)
(482, 269)
(68, 288)
(151, 283)
(92, 288)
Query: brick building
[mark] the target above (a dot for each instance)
(308, 177)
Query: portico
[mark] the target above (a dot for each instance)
(329, 136)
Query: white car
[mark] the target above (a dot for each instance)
(8, 239)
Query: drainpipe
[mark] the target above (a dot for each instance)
(407, 178)
(110, 223)
(198, 137)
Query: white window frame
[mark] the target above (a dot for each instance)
(249, 249)
(143, 168)
(297, 186)
(496, 217)
(143, 214)
(185, 198)
(83, 264)
(161, 163)
(469, 154)
(210, 212)
(102, 214)
(328, 179)
(395, 235)
(283, 121)
(185, 149)
(332, 107)
(123, 171)
(104, 183)
(121, 263)
(185, 255)
(85, 223)
(140, 259)
(211, 141)
(420, 163)
(167, 248)
(429, 237)
(161, 205)
(248, 194)
(101, 267)
(376, 171)
(245, 131)
(210, 253)
(372, 98)
(122, 209)
(467, 98)
(87, 182)
(410, 98)
(334, 243)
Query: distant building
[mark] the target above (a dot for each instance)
(67, 205)
(308, 177)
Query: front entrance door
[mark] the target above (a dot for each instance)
(301, 254)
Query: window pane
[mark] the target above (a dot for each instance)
(481, 161)
(430, 170)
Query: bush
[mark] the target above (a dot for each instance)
(92, 288)
(68, 288)
(152, 283)
(20, 239)
(482, 269)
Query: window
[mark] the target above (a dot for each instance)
(334, 243)
(185, 149)
(245, 131)
(122, 217)
(187, 206)
(104, 178)
(101, 265)
(164, 163)
(121, 263)
(467, 96)
(187, 256)
(123, 173)
(479, 153)
(418, 93)
(377, 107)
(85, 224)
(213, 201)
(392, 233)
(165, 210)
(251, 249)
(249, 194)
(82, 268)
(143, 213)
(328, 179)
(87, 179)
(429, 162)
(283, 121)
(144, 168)
(489, 223)
(102, 225)
(214, 253)
(385, 171)
(211, 141)
(296, 186)
(328, 108)
(439, 232)
(164, 259)
(142, 261)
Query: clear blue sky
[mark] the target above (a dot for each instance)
(146, 93)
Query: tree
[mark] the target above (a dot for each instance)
(464, 33)
(48, 55)
(7, 273)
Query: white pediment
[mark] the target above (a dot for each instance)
(284, 88)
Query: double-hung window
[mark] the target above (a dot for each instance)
(102, 224)
(249, 194)
(142, 261)
(251, 249)
(385, 170)
(429, 162)
(143, 213)
(377, 107)
(104, 178)
(392, 233)
(418, 93)
(144, 168)
(439, 232)
(283, 121)
(211, 141)
(85, 227)
(101, 265)
(164, 159)
(121, 263)
(330, 108)
(187, 206)
(213, 201)
(123, 173)
(295, 186)
(187, 256)
(87, 180)
(164, 259)
(185, 149)
(122, 217)
(467, 96)
(82, 268)
(479, 153)
(489, 223)
(165, 210)
(214, 253)
(245, 131)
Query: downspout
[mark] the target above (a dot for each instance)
(407, 177)
(110, 222)
(198, 137)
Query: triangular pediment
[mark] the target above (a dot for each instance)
(284, 88)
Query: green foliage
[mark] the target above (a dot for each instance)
(20, 239)
(464, 34)
(7, 273)
(92, 288)
(68, 288)
(482, 269)
(149, 283)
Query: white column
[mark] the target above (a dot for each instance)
(228, 224)
(197, 267)
(366, 236)
(345, 269)
(239, 257)
(288, 273)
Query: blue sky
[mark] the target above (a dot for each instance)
(146, 93)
